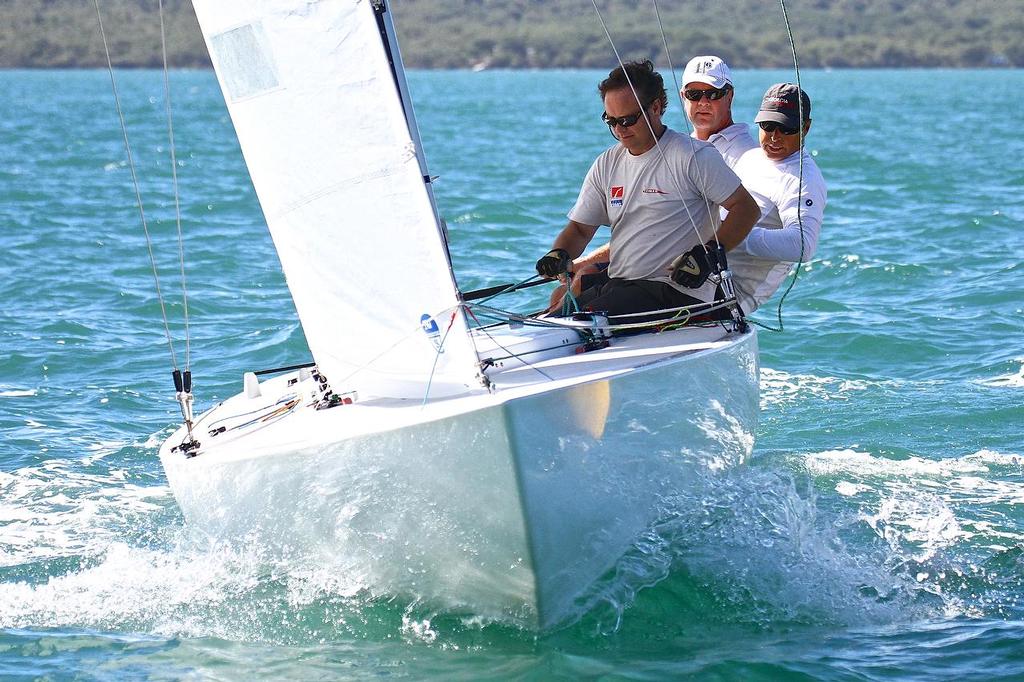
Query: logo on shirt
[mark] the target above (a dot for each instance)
(616, 194)
(809, 202)
(654, 190)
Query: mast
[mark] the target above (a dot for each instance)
(318, 98)
(389, 39)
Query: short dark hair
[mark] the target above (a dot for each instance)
(649, 84)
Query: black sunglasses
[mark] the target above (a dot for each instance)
(771, 126)
(624, 121)
(695, 95)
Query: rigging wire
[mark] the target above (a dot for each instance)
(510, 287)
(174, 179)
(671, 67)
(657, 142)
(135, 183)
(800, 178)
(682, 108)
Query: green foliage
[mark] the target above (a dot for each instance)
(565, 33)
(65, 33)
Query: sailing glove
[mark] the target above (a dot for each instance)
(554, 263)
(694, 267)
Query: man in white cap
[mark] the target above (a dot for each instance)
(707, 93)
(792, 204)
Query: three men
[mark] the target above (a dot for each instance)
(659, 191)
(790, 193)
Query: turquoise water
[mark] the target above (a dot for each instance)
(878, 532)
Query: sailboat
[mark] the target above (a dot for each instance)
(502, 467)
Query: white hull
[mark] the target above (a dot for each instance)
(509, 503)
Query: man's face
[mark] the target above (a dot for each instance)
(777, 145)
(708, 116)
(638, 137)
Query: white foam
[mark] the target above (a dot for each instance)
(781, 388)
(922, 525)
(754, 541)
(17, 393)
(921, 506)
(850, 489)
(192, 588)
(1011, 380)
(1006, 381)
(863, 464)
(58, 510)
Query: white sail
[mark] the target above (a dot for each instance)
(322, 127)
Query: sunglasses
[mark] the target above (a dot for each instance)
(771, 126)
(624, 121)
(695, 95)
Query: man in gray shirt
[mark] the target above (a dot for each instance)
(659, 191)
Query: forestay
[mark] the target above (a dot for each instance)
(321, 125)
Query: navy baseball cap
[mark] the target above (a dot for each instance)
(780, 105)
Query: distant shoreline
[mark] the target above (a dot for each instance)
(466, 69)
(556, 34)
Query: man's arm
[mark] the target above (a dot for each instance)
(601, 254)
(569, 243)
(789, 244)
(693, 268)
(574, 238)
(743, 213)
(801, 216)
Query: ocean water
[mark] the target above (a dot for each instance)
(877, 533)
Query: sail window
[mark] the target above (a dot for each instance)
(244, 61)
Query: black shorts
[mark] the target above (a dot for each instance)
(622, 296)
(596, 279)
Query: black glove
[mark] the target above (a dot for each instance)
(554, 263)
(694, 267)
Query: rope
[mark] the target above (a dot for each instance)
(135, 183)
(509, 288)
(437, 356)
(667, 316)
(177, 200)
(569, 304)
(800, 179)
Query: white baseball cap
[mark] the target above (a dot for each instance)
(708, 69)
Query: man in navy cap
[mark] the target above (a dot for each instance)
(790, 192)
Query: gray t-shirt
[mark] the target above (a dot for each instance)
(659, 204)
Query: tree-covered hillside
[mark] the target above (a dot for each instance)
(566, 33)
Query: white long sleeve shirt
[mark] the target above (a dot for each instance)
(792, 208)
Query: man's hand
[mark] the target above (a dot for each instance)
(694, 267)
(554, 263)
